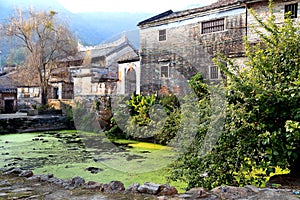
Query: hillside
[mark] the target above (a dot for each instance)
(90, 28)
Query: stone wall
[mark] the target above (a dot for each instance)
(262, 11)
(31, 124)
(186, 50)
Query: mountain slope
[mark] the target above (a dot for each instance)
(90, 28)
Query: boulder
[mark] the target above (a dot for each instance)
(149, 188)
(92, 185)
(133, 188)
(13, 171)
(77, 181)
(196, 193)
(230, 192)
(26, 174)
(167, 190)
(116, 186)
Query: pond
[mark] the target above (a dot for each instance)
(67, 154)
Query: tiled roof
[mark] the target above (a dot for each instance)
(170, 14)
(19, 78)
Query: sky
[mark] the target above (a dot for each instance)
(143, 6)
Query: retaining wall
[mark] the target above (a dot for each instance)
(32, 123)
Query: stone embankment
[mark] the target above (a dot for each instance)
(20, 122)
(18, 184)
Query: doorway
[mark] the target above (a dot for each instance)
(9, 106)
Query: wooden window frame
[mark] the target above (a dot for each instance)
(165, 71)
(214, 73)
(213, 26)
(162, 35)
(293, 8)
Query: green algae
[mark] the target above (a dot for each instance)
(67, 154)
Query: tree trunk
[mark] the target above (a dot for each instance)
(44, 95)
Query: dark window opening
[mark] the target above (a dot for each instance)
(213, 26)
(164, 71)
(292, 8)
(162, 35)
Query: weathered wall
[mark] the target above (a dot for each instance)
(262, 10)
(129, 78)
(31, 124)
(186, 50)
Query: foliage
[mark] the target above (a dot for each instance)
(45, 40)
(261, 130)
(198, 85)
(153, 118)
(139, 107)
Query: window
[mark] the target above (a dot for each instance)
(162, 35)
(293, 8)
(214, 72)
(164, 71)
(213, 26)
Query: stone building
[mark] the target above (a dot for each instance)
(98, 75)
(176, 45)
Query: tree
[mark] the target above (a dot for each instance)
(262, 128)
(46, 40)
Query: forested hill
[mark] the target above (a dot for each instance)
(90, 28)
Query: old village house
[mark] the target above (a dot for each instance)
(99, 75)
(177, 45)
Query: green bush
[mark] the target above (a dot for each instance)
(153, 117)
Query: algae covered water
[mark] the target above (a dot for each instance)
(67, 154)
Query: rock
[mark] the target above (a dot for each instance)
(5, 183)
(3, 195)
(133, 188)
(92, 185)
(167, 190)
(46, 177)
(197, 193)
(15, 171)
(149, 188)
(275, 194)
(116, 186)
(26, 174)
(5, 189)
(252, 188)
(67, 184)
(56, 181)
(230, 192)
(40, 177)
(77, 181)
(18, 190)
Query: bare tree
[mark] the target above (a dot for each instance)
(46, 40)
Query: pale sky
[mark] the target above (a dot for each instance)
(145, 6)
